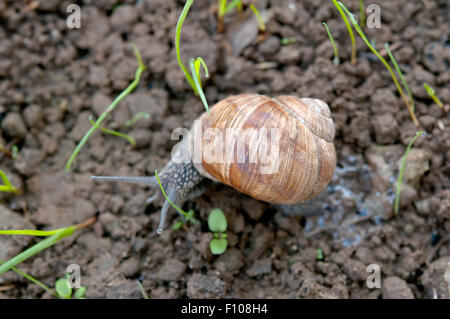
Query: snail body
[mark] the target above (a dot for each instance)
(299, 164)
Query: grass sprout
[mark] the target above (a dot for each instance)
(319, 253)
(142, 290)
(262, 26)
(52, 238)
(14, 151)
(386, 64)
(109, 109)
(287, 41)
(224, 8)
(400, 74)
(335, 49)
(432, 94)
(129, 138)
(7, 186)
(402, 170)
(195, 69)
(33, 280)
(193, 80)
(349, 28)
(136, 118)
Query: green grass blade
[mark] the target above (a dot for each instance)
(136, 118)
(32, 279)
(196, 76)
(262, 26)
(178, 209)
(129, 138)
(200, 62)
(232, 5)
(177, 44)
(43, 244)
(335, 49)
(222, 4)
(31, 232)
(7, 187)
(400, 74)
(402, 169)
(350, 31)
(386, 64)
(142, 290)
(14, 151)
(432, 94)
(109, 109)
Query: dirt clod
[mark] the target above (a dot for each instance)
(396, 288)
(201, 286)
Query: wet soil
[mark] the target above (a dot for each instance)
(53, 78)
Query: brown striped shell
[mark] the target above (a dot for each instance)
(306, 155)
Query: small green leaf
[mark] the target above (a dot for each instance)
(319, 254)
(217, 222)
(177, 225)
(79, 293)
(218, 246)
(287, 41)
(429, 89)
(14, 151)
(63, 288)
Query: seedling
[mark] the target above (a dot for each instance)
(400, 74)
(193, 80)
(129, 138)
(335, 49)
(14, 151)
(224, 8)
(188, 216)
(287, 41)
(142, 290)
(65, 291)
(350, 31)
(262, 26)
(195, 70)
(217, 224)
(136, 118)
(319, 253)
(432, 94)
(110, 108)
(402, 169)
(33, 280)
(386, 64)
(53, 236)
(7, 187)
(189, 219)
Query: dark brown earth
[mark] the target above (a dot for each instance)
(52, 78)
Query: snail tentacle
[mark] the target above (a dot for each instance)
(150, 181)
(180, 181)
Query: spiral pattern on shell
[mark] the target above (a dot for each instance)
(306, 154)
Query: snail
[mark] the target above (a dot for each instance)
(299, 167)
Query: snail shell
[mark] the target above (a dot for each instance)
(306, 155)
